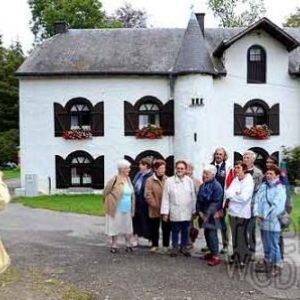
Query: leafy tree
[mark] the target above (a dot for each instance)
(130, 17)
(10, 60)
(237, 13)
(293, 20)
(78, 13)
(292, 160)
(9, 142)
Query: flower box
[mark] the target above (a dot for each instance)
(77, 134)
(149, 131)
(259, 132)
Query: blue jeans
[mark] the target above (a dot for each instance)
(270, 240)
(211, 238)
(182, 227)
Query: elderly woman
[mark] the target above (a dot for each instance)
(153, 194)
(269, 203)
(209, 207)
(141, 222)
(239, 195)
(119, 202)
(178, 205)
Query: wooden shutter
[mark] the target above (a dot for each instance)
(239, 119)
(61, 119)
(98, 173)
(170, 165)
(97, 116)
(131, 120)
(62, 173)
(167, 118)
(274, 119)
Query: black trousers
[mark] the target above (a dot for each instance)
(251, 235)
(238, 226)
(154, 230)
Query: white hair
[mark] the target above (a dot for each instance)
(251, 154)
(210, 168)
(123, 163)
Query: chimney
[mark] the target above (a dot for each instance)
(60, 27)
(200, 19)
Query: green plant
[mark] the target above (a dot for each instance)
(292, 160)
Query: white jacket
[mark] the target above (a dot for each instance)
(179, 198)
(240, 194)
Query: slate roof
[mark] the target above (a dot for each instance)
(150, 51)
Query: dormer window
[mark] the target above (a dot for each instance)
(256, 65)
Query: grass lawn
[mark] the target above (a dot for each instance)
(10, 174)
(81, 204)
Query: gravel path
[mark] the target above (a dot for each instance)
(72, 249)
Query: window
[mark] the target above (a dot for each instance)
(148, 110)
(79, 113)
(255, 115)
(80, 116)
(148, 114)
(79, 169)
(256, 65)
(256, 112)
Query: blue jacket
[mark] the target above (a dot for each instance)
(269, 203)
(209, 201)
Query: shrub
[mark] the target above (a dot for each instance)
(292, 159)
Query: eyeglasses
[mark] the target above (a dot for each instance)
(269, 162)
(180, 168)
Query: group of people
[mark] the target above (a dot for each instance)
(153, 200)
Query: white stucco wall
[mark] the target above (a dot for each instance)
(212, 123)
(280, 88)
(38, 144)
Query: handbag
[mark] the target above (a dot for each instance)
(193, 234)
(284, 219)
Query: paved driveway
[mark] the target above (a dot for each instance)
(73, 249)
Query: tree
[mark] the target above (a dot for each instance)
(78, 13)
(130, 17)
(10, 60)
(237, 13)
(9, 142)
(293, 20)
(292, 160)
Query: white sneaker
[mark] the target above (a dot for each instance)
(153, 249)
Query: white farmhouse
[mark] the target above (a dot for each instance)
(203, 87)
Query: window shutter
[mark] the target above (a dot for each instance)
(274, 119)
(61, 119)
(170, 165)
(239, 119)
(130, 119)
(167, 118)
(98, 173)
(98, 119)
(62, 173)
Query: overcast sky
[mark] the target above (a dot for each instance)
(15, 15)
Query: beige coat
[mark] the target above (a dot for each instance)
(153, 194)
(112, 194)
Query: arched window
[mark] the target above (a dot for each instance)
(148, 110)
(80, 116)
(255, 115)
(256, 112)
(79, 169)
(79, 113)
(149, 114)
(256, 65)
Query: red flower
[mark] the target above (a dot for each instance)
(77, 134)
(149, 131)
(261, 132)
